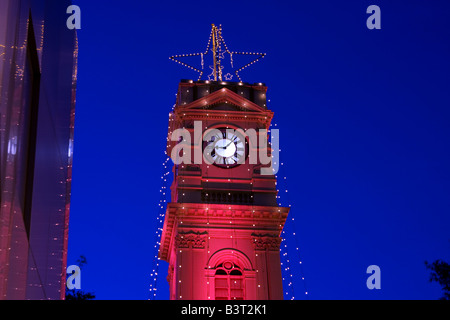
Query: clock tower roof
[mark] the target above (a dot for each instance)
(194, 94)
(224, 95)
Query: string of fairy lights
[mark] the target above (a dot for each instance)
(289, 264)
(217, 45)
(216, 40)
(162, 205)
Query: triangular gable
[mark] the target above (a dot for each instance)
(221, 96)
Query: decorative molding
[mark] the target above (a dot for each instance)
(229, 254)
(266, 242)
(221, 96)
(213, 210)
(255, 217)
(191, 239)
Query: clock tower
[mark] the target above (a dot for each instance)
(221, 233)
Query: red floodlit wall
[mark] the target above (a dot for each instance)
(221, 234)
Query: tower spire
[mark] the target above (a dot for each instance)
(217, 68)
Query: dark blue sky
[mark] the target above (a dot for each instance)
(364, 119)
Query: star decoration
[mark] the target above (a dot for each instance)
(217, 46)
(228, 76)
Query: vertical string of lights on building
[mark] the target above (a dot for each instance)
(162, 205)
(288, 267)
(290, 264)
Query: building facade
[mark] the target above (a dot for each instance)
(221, 234)
(38, 71)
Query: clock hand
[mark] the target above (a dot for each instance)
(224, 147)
(228, 144)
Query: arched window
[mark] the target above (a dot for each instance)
(229, 282)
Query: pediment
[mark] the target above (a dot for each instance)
(224, 99)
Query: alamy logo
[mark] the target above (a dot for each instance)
(74, 279)
(74, 21)
(374, 20)
(226, 147)
(374, 280)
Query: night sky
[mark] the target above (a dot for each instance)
(364, 119)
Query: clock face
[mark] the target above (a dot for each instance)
(225, 148)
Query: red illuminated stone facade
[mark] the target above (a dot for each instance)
(221, 233)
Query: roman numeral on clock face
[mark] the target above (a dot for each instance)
(219, 159)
